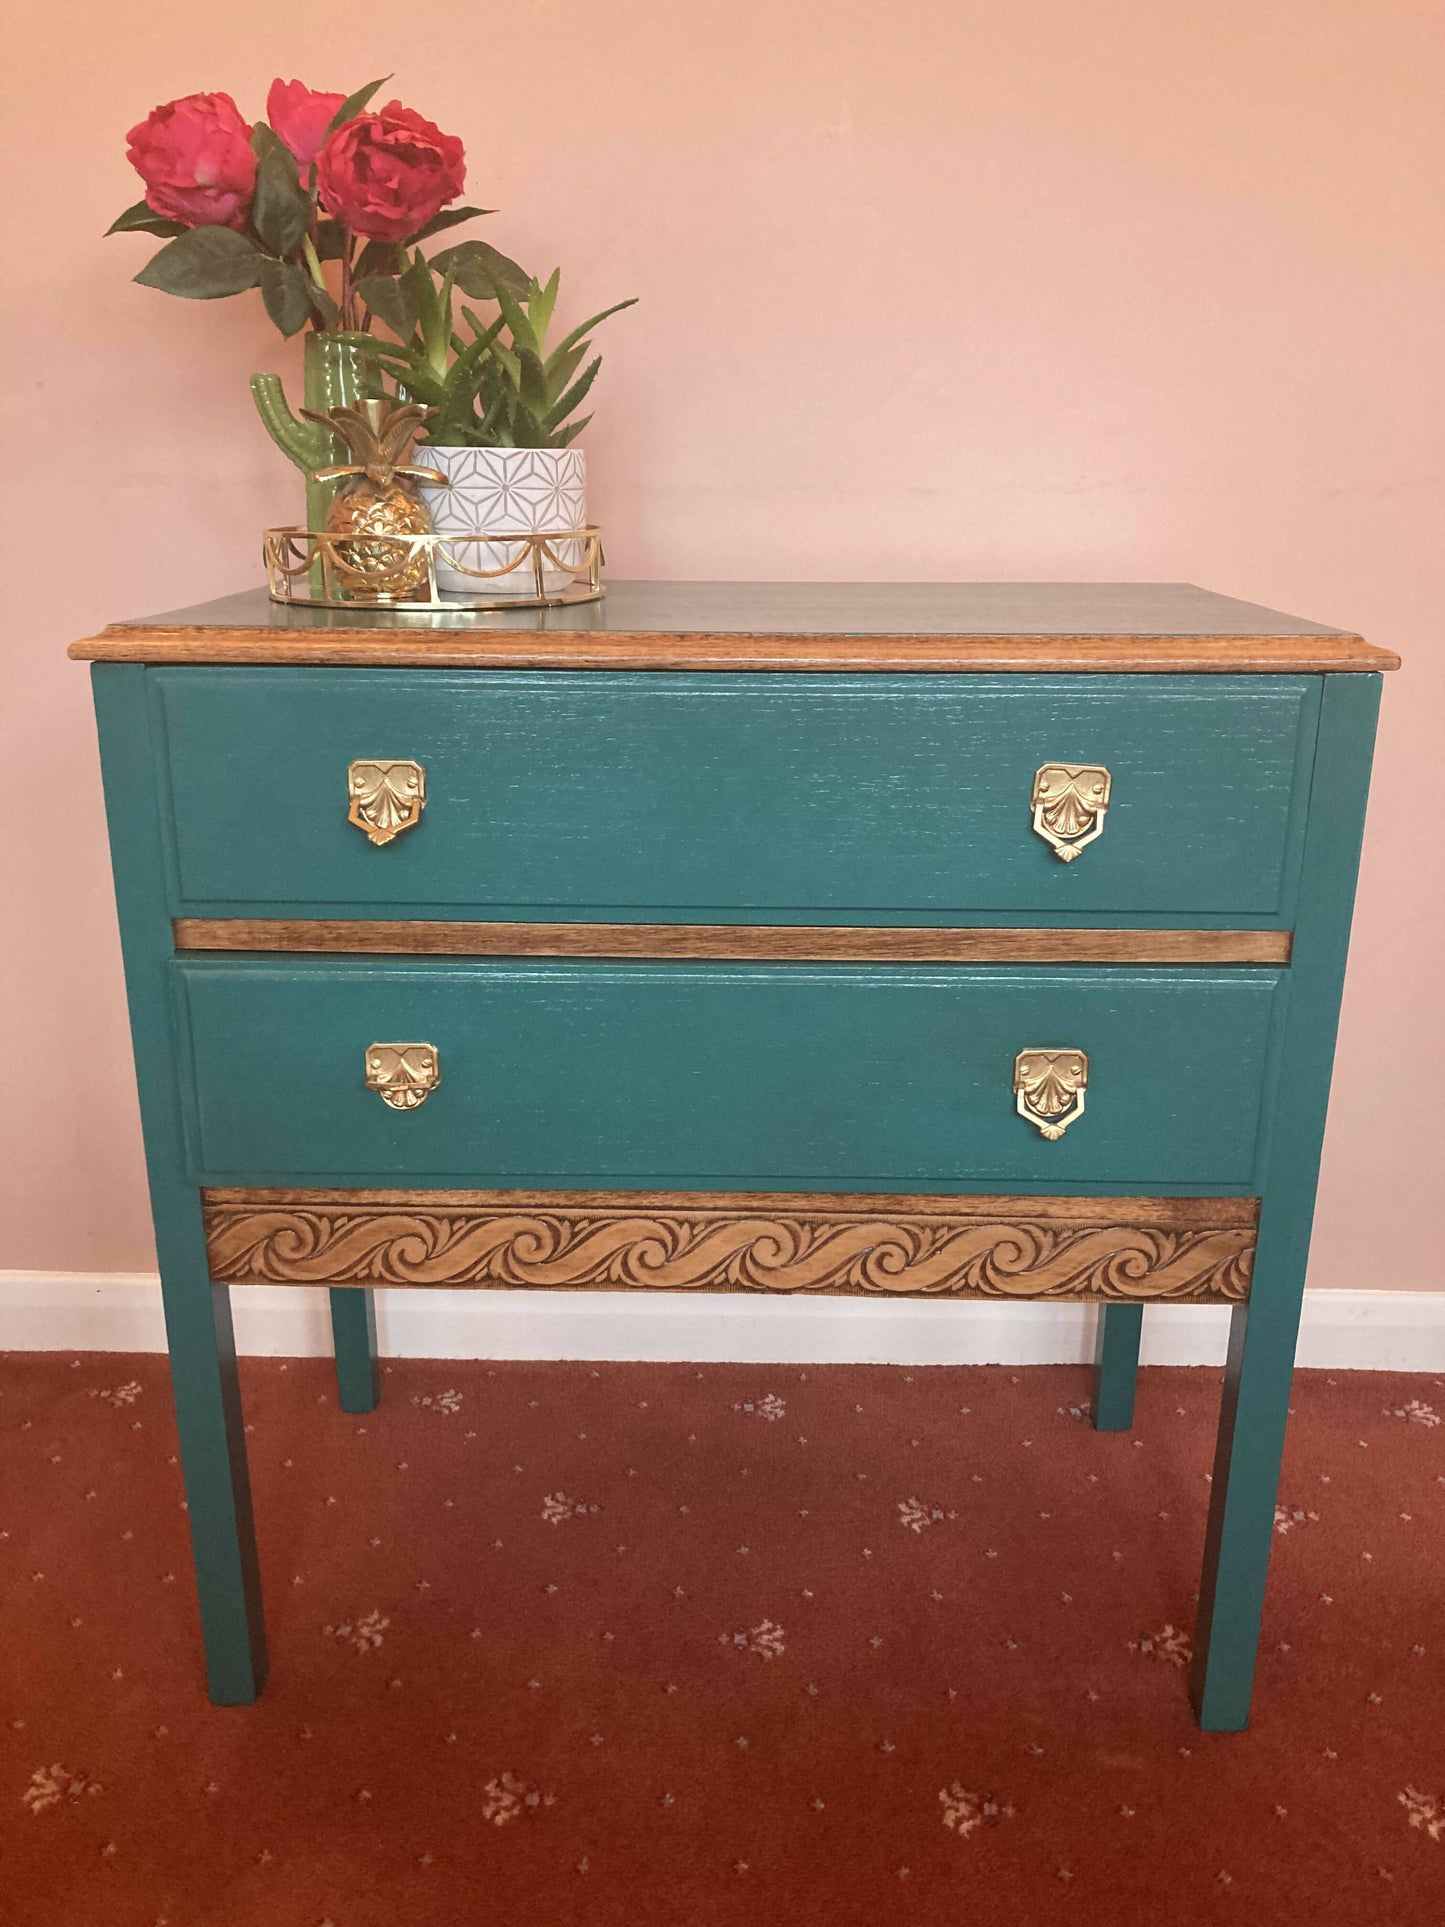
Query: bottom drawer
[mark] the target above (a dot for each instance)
(754, 1076)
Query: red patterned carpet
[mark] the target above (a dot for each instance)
(608, 1646)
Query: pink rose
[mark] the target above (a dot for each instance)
(195, 158)
(301, 117)
(385, 175)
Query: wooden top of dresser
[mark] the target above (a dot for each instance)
(1004, 627)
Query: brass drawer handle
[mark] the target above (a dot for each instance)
(1049, 1088)
(1069, 803)
(403, 1075)
(386, 798)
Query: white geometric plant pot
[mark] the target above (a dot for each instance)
(505, 491)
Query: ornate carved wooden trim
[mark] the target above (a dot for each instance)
(1140, 1250)
(787, 943)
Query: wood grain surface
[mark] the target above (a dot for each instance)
(778, 942)
(1008, 627)
(1133, 1249)
(1163, 1214)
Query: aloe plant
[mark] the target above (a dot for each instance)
(504, 387)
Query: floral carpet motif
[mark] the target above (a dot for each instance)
(679, 1646)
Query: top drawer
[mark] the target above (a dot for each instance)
(656, 797)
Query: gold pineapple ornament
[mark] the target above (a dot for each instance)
(378, 503)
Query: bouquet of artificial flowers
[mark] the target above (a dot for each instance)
(321, 179)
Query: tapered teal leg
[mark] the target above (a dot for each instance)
(1116, 1366)
(353, 1336)
(218, 1489)
(1240, 1532)
(198, 1313)
(1262, 1332)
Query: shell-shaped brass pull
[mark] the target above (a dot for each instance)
(386, 798)
(1049, 1088)
(1069, 802)
(403, 1075)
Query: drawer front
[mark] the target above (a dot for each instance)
(758, 1077)
(730, 798)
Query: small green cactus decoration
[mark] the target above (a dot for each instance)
(340, 369)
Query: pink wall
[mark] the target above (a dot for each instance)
(939, 288)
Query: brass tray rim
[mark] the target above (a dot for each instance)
(294, 586)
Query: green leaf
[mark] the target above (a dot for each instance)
(322, 302)
(570, 433)
(460, 376)
(561, 368)
(331, 238)
(494, 422)
(518, 326)
(353, 104)
(381, 257)
(509, 364)
(527, 431)
(420, 384)
(450, 217)
(143, 219)
(483, 337)
(203, 264)
(434, 310)
(427, 342)
(281, 207)
(540, 303)
(534, 382)
(570, 341)
(390, 299)
(479, 270)
(574, 397)
(287, 294)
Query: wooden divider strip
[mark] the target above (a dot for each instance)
(783, 943)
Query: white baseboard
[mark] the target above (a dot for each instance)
(48, 1311)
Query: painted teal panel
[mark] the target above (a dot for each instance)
(718, 797)
(649, 1074)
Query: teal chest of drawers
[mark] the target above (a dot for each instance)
(961, 941)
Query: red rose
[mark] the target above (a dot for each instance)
(385, 175)
(301, 117)
(195, 158)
